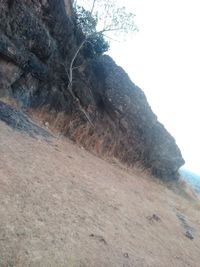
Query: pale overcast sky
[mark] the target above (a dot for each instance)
(163, 58)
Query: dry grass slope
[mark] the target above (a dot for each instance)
(62, 206)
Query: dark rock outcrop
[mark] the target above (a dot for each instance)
(37, 41)
(20, 121)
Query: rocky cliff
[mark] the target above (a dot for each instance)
(37, 42)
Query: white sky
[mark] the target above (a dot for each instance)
(163, 58)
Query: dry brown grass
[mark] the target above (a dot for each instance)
(82, 133)
(101, 140)
(62, 206)
(182, 188)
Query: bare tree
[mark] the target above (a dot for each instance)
(104, 19)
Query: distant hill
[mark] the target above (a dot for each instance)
(191, 178)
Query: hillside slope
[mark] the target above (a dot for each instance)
(62, 206)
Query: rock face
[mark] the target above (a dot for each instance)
(38, 39)
(20, 121)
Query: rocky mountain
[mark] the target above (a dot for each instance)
(109, 113)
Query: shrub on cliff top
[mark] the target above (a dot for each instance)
(88, 25)
(102, 21)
